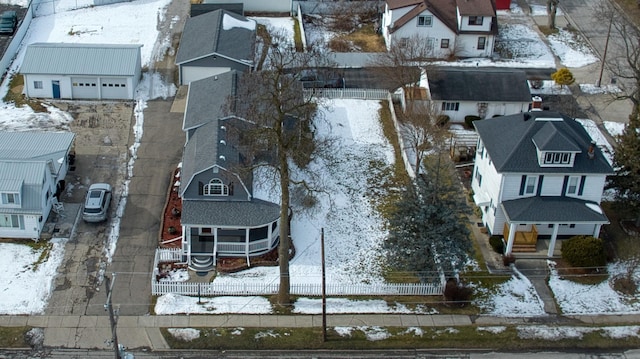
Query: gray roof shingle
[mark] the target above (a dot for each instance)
(207, 99)
(553, 209)
(229, 213)
(35, 146)
(81, 59)
(215, 33)
(487, 84)
(509, 142)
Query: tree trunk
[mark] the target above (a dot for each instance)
(283, 299)
(552, 9)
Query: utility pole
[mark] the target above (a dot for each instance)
(324, 289)
(112, 319)
(606, 47)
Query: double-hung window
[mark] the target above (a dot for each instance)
(425, 20)
(530, 185)
(572, 185)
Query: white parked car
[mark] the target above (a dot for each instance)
(96, 205)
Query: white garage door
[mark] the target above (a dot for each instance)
(114, 88)
(195, 73)
(84, 87)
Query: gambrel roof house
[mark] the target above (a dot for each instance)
(220, 215)
(81, 71)
(538, 175)
(214, 43)
(33, 166)
(486, 92)
(464, 28)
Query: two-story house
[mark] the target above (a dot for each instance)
(463, 28)
(220, 215)
(33, 166)
(538, 175)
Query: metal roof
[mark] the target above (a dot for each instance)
(36, 146)
(509, 142)
(81, 59)
(252, 213)
(553, 209)
(30, 174)
(205, 35)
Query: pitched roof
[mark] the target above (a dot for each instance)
(81, 59)
(509, 141)
(34, 146)
(486, 84)
(28, 176)
(237, 213)
(541, 209)
(444, 10)
(206, 99)
(220, 33)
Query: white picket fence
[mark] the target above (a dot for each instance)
(159, 287)
(350, 93)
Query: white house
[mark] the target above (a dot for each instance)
(538, 175)
(214, 43)
(464, 28)
(483, 92)
(220, 216)
(81, 71)
(33, 166)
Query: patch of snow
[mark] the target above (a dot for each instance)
(552, 333)
(184, 334)
(229, 22)
(594, 207)
(614, 128)
(592, 89)
(571, 51)
(180, 304)
(493, 329)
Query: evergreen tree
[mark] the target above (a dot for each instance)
(627, 164)
(427, 230)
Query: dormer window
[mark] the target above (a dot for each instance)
(557, 158)
(9, 198)
(475, 20)
(215, 187)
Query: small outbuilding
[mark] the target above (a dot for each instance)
(81, 71)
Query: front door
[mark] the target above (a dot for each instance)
(56, 88)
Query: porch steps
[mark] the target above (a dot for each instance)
(519, 248)
(201, 263)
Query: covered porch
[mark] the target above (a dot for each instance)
(558, 216)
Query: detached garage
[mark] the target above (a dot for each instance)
(81, 71)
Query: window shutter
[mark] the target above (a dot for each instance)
(582, 180)
(522, 184)
(539, 190)
(564, 185)
(200, 188)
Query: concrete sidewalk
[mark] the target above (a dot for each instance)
(94, 332)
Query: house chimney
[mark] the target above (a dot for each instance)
(536, 103)
(591, 153)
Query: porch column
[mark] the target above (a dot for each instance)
(246, 245)
(186, 237)
(269, 230)
(215, 244)
(596, 231)
(512, 236)
(554, 236)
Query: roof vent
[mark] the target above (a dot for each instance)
(223, 142)
(222, 158)
(223, 128)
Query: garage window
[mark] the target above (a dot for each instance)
(37, 84)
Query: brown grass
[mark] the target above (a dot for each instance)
(364, 38)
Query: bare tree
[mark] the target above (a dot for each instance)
(283, 135)
(404, 62)
(623, 59)
(421, 130)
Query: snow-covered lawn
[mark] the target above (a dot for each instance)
(353, 229)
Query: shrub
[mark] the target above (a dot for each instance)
(456, 293)
(468, 120)
(497, 244)
(442, 120)
(584, 251)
